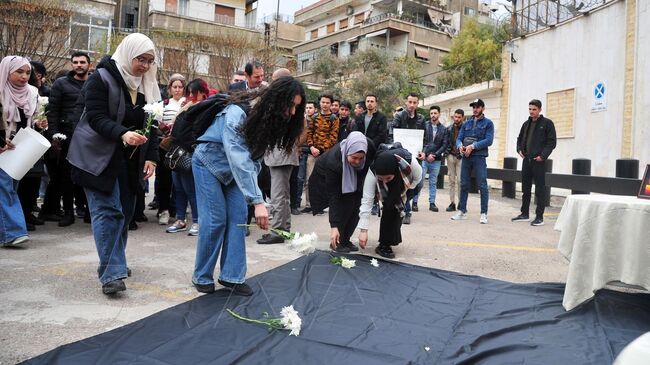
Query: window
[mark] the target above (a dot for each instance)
(330, 28)
(175, 60)
(304, 65)
(560, 107)
(343, 24)
(129, 21)
(90, 34)
(358, 19)
(199, 63)
(224, 14)
(334, 49)
(171, 6)
(470, 11)
(183, 7)
(314, 34)
(421, 53)
(354, 46)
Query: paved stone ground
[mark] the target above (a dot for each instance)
(50, 294)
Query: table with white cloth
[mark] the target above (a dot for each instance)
(606, 238)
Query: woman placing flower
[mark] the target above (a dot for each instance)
(391, 175)
(18, 103)
(106, 170)
(338, 184)
(225, 165)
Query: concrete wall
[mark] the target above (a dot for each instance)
(579, 54)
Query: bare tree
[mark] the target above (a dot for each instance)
(39, 30)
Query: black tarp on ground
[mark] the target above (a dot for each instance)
(394, 314)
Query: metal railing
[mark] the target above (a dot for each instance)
(404, 18)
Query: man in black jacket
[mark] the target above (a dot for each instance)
(372, 123)
(409, 118)
(60, 116)
(535, 143)
(435, 145)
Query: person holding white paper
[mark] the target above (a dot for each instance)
(18, 103)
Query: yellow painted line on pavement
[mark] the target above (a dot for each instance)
(498, 246)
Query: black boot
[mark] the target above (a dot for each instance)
(67, 219)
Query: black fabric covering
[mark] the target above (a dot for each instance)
(368, 315)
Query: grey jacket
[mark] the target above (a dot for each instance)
(277, 157)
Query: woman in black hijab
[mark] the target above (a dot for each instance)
(391, 175)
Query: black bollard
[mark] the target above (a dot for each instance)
(548, 167)
(628, 168)
(509, 188)
(441, 177)
(580, 166)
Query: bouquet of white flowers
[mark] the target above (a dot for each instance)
(290, 321)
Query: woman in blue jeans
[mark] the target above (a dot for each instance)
(195, 92)
(18, 104)
(111, 156)
(225, 163)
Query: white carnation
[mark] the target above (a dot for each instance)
(290, 320)
(156, 110)
(303, 244)
(59, 136)
(374, 262)
(347, 263)
(43, 100)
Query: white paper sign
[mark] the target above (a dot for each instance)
(30, 146)
(411, 139)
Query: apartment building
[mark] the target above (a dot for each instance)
(419, 28)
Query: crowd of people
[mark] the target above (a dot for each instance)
(257, 147)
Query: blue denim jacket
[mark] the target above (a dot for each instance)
(481, 130)
(225, 154)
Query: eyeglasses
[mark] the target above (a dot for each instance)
(144, 61)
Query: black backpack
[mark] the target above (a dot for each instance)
(192, 123)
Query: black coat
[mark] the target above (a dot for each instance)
(96, 97)
(62, 102)
(326, 184)
(544, 138)
(377, 128)
(438, 144)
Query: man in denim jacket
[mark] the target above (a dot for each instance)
(474, 138)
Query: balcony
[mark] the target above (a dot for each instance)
(185, 24)
(425, 34)
(324, 9)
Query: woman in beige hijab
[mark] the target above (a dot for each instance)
(110, 158)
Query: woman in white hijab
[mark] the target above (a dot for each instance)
(110, 152)
(18, 103)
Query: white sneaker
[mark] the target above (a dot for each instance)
(194, 230)
(483, 219)
(459, 216)
(163, 218)
(16, 241)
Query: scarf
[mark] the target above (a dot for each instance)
(134, 45)
(11, 97)
(393, 193)
(356, 142)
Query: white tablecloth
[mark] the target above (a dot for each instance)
(606, 238)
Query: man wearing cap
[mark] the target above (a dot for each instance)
(474, 138)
